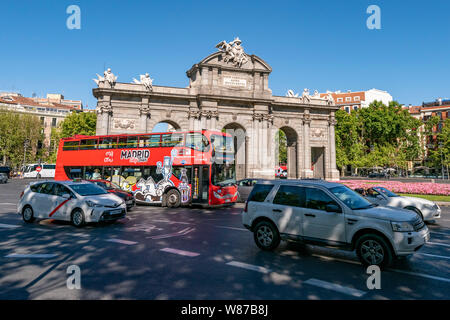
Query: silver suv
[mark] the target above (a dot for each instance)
(331, 214)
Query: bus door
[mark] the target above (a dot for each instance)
(200, 184)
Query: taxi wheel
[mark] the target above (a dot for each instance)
(28, 214)
(77, 218)
(173, 199)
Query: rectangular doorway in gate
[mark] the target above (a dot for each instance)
(318, 162)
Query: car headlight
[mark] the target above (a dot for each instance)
(402, 226)
(92, 204)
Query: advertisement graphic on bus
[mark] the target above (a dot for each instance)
(171, 168)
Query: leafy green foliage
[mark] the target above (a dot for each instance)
(79, 123)
(377, 136)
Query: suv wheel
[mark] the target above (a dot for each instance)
(173, 199)
(77, 218)
(374, 250)
(28, 214)
(266, 236)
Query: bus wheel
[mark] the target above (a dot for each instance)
(173, 198)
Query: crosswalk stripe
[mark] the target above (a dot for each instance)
(335, 287)
(181, 252)
(248, 266)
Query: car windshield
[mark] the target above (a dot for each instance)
(386, 192)
(87, 189)
(351, 198)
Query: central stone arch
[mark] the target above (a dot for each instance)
(240, 139)
(229, 89)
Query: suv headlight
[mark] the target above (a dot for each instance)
(92, 204)
(402, 226)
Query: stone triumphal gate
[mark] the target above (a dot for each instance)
(229, 90)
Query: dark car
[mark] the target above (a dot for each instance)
(3, 177)
(377, 175)
(6, 170)
(245, 186)
(109, 186)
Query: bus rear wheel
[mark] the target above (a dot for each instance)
(173, 198)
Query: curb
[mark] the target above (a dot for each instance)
(443, 203)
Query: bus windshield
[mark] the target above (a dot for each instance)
(223, 174)
(222, 143)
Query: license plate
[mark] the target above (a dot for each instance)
(129, 201)
(116, 211)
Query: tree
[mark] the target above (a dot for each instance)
(282, 146)
(79, 123)
(20, 135)
(377, 136)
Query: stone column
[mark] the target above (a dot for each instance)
(307, 172)
(333, 173)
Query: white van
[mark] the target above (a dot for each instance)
(47, 171)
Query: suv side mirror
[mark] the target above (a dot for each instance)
(333, 208)
(66, 196)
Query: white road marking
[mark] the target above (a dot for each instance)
(77, 234)
(420, 275)
(122, 241)
(36, 256)
(176, 234)
(181, 252)
(248, 266)
(432, 255)
(336, 287)
(7, 204)
(439, 244)
(232, 228)
(172, 222)
(443, 233)
(335, 259)
(8, 226)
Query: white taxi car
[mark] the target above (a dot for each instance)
(426, 209)
(76, 201)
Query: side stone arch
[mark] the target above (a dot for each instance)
(292, 145)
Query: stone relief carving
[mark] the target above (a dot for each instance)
(145, 80)
(234, 52)
(263, 117)
(108, 76)
(124, 124)
(144, 110)
(198, 114)
(104, 108)
(318, 133)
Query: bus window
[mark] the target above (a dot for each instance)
(107, 143)
(70, 145)
(149, 141)
(92, 173)
(197, 141)
(172, 140)
(132, 142)
(73, 172)
(88, 144)
(49, 166)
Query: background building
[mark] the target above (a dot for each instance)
(360, 99)
(50, 110)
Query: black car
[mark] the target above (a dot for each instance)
(109, 186)
(6, 170)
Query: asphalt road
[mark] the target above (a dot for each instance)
(160, 253)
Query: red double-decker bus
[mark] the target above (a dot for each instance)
(171, 168)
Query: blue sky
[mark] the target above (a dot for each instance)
(309, 44)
